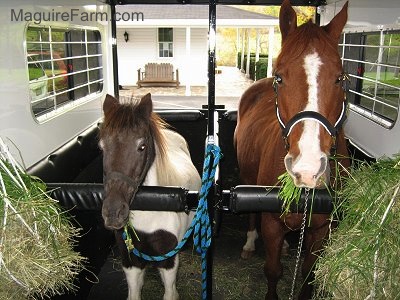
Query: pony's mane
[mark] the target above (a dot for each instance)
(127, 116)
(304, 38)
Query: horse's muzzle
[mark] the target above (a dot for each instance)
(115, 214)
(311, 174)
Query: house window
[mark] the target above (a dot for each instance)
(165, 42)
(373, 62)
(64, 68)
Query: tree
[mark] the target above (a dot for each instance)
(227, 46)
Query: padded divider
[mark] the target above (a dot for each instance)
(192, 125)
(81, 196)
(248, 198)
(68, 161)
(229, 173)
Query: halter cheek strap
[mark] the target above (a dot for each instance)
(128, 180)
(313, 115)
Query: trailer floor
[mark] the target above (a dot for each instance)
(233, 278)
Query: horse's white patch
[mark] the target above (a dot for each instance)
(308, 162)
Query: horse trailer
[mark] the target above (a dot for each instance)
(59, 60)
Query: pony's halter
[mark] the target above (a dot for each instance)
(115, 175)
(313, 115)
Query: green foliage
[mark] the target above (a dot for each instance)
(258, 69)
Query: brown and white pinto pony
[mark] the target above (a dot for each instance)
(305, 103)
(138, 149)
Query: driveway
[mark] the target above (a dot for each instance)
(230, 84)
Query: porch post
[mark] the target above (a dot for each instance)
(248, 54)
(237, 47)
(270, 50)
(242, 51)
(258, 40)
(187, 79)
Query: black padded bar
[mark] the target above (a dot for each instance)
(246, 198)
(82, 196)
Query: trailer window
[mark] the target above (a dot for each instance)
(64, 66)
(372, 60)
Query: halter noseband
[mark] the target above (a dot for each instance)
(115, 175)
(312, 115)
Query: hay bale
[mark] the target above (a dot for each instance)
(36, 237)
(361, 260)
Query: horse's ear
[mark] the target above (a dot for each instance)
(336, 25)
(146, 105)
(287, 19)
(109, 104)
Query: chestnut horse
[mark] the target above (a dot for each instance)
(139, 150)
(304, 103)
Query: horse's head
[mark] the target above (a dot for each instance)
(126, 139)
(309, 93)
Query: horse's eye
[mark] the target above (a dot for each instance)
(278, 79)
(142, 148)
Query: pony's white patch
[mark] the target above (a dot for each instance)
(175, 168)
(308, 162)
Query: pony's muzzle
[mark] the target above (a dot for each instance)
(115, 215)
(309, 174)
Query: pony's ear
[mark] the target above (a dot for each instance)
(146, 105)
(336, 25)
(109, 104)
(287, 19)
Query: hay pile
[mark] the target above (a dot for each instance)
(36, 238)
(362, 260)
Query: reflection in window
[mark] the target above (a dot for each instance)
(165, 42)
(64, 66)
(373, 61)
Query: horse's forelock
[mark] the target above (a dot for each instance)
(307, 37)
(125, 117)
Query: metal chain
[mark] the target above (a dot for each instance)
(301, 239)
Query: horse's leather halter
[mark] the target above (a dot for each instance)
(313, 115)
(115, 175)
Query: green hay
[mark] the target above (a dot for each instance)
(288, 192)
(361, 260)
(37, 259)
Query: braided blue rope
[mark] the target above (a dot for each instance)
(200, 226)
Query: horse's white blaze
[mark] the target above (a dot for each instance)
(308, 163)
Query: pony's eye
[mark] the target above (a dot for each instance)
(142, 148)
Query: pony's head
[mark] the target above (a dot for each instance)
(127, 137)
(310, 97)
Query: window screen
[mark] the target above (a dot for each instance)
(64, 67)
(372, 60)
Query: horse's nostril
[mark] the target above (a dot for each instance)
(297, 175)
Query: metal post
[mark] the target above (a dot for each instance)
(212, 11)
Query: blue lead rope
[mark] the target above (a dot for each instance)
(200, 226)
